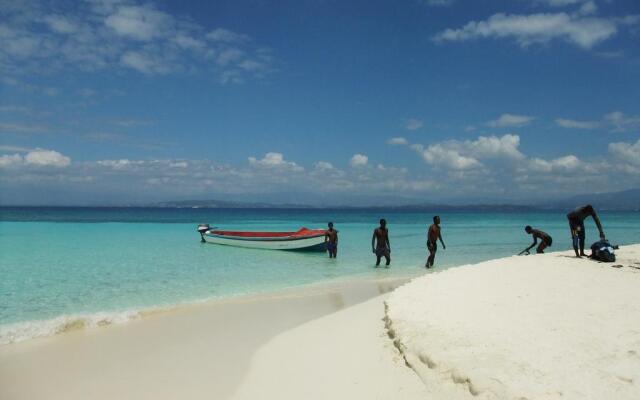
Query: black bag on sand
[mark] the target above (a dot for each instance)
(602, 251)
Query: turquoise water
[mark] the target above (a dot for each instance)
(60, 266)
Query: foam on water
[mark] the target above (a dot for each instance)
(20, 331)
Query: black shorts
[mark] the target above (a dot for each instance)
(577, 228)
(432, 246)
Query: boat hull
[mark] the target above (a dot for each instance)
(312, 243)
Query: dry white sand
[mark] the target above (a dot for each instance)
(537, 327)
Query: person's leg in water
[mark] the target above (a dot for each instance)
(387, 256)
(378, 257)
(432, 254)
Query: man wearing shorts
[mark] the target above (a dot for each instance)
(331, 239)
(433, 234)
(545, 240)
(380, 243)
(576, 225)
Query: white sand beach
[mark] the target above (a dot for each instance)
(535, 327)
(538, 327)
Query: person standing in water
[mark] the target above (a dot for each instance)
(331, 239)
(433, 234)
(576, 225)
(380, 243)
(545, 240)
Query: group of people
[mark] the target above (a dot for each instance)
(381, 247)
(576, 226)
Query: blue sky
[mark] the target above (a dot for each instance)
(325, 102)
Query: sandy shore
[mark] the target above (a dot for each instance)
(194, 352)
(537, 327)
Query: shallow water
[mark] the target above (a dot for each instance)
(90, 266)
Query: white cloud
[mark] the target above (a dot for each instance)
(139, 22)
(43, 157)
(274, 160)
(397, 141)
(573, 124)
(7, 160)
(562, 164)
(60, 24)
(324, 166)
(626, 152)
(440, 155)
(224, 35)
(622, 122)
(36, 157)
(412, 124)
(145, 63)
(584, 32)
(510, 121)
(105, 35)
(359, 160)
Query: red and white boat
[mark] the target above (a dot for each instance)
(303, 239)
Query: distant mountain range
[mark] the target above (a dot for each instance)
(628, 200)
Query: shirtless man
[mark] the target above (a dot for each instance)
(380, 243)
(576, 225)
(331, 239)
(545, 240)
(433, 234)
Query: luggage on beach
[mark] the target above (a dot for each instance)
(603, 251)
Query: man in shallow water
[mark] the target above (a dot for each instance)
(380, 243)
(576, 225)
(545, 240)
(433, 234)
(331, 239)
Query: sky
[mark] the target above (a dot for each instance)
(108, 102)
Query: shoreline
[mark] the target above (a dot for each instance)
(197, 349)
(23, 331)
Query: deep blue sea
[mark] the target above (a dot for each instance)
(68, 267)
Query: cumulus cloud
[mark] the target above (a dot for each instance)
(274, 160)
(397, 141)
(510, 121)
(577, 29)
(626, 152)
(413, 124)
(359, 160)
(36, 157)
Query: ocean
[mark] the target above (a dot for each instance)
(66, 268)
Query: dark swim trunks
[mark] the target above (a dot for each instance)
(382, 252)
(432, 246)
(577, 227)
(332, 247)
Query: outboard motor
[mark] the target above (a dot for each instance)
(202, 228)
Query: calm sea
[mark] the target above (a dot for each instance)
(61, 268)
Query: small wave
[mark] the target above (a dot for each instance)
(20, 331)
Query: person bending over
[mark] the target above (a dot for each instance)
(576, 225)
(545, 240)
(380, 243)
(331, 239)
(433, 234)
